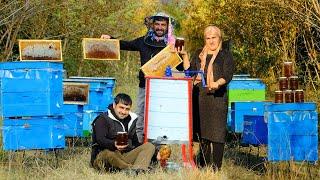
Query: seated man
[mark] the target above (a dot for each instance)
(107, 153)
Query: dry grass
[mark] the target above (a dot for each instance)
(73, 163)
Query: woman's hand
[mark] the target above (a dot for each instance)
(203, 54)
(213, 85)
(216, 84)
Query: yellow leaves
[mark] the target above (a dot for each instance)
(148, 3)
(222, 3)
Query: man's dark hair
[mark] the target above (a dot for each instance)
(123, 98)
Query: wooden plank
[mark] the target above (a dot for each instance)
(101, 49)
(156, 66)
(40, 50)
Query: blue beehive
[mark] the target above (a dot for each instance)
(292, 131)
(100, 96)
(100, 91)
(255, 130)
(88, 117)
(107, 92)
(96, 93)
(244, 88)
(31, 89)
(33, 133)
(239, 109)
(73, 120)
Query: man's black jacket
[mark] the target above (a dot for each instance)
(146, 50)
(105, 128)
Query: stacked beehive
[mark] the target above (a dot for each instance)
(31, 105)
(292, 131)
(242, 94)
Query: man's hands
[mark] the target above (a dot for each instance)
(120, 147)
(105, 36)
(183, 54)
(178, 50)
(181, 51)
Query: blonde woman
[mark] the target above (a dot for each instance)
(211, 102)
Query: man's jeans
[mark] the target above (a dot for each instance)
(140, 113)
(138, 158)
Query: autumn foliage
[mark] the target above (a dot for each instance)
(264, 33)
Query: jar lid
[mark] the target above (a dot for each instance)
(282, 77)
(287, 91)
(295, 77)
(287, 62)
(299, 90)
(278, 91)
(180, 38)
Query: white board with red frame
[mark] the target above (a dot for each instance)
(168, 110)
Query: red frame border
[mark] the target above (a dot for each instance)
(146, 117)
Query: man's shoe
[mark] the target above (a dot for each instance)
(140, 171)
(130, 172)
(151, 170)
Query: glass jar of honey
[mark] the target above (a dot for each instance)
(278, 96)
(293, 82)
(283, 83)
(298, 96)
(288, 70)
(122, 138)
(288, 96)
